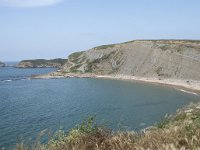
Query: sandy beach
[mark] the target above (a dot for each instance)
(188, 86)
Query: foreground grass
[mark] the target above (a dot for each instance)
(180, 131)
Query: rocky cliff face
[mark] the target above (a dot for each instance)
(178, 59)
(41, 63)
(2, 64)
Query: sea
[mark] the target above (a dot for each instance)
(30, 106)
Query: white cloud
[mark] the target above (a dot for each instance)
(28, 3)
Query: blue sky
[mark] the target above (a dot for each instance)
(55, 28)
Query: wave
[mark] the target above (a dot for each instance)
(188, 92)
(13, 79)
(7, 80)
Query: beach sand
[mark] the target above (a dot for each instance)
(188, 86)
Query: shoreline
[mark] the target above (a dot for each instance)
(187, 86)
(191, 87)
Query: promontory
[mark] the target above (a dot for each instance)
(41, 63)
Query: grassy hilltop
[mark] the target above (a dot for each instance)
(42, 63)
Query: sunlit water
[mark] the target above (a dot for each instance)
(30, 106)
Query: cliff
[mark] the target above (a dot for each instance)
(2, 64)
(41, 63)
(162, 59)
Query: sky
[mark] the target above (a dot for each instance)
(32, 29)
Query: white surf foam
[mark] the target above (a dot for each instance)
(10, 80)
(188, 92)
(7, 80)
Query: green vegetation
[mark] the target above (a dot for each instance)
(179, 131)
(91, 65)
(159, 70)
(179, 49)
(156, 40)
(58, 60)
(74, 56)
(128, 42)
(111, 45)
(163, 123)
(76, 59)
(171, 40)
(192, 41)
(164, 47)
(104, 46)
(43, 62)
(74, 69)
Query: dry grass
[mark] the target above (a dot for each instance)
(178, 132)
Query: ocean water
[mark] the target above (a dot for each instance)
(30, 106)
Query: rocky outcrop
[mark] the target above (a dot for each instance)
(41, 63)
(2, 64)
(163, 59)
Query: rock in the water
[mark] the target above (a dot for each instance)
(2, 64)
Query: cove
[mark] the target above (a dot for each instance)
(30, 106)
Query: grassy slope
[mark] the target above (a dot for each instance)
(181, 131)
(158, 40)
(72, 57)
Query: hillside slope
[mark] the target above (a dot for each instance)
(174, 59)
